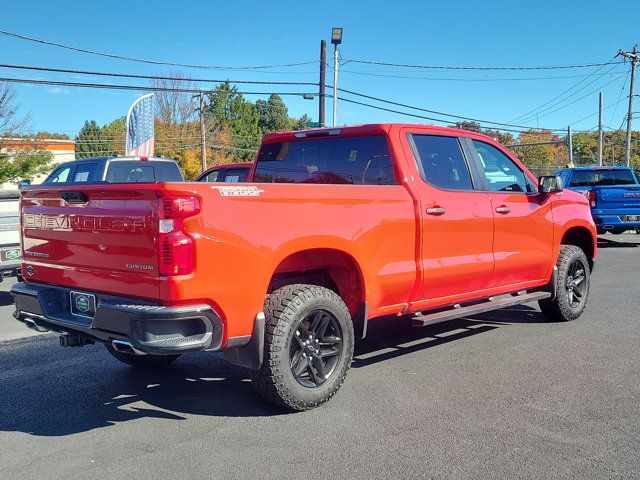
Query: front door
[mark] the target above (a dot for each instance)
(523, 221)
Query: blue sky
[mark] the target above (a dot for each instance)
(464, 33)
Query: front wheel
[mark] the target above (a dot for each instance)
(308, 347)
(572, 289)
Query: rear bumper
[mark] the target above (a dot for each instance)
(148, 327)
(609, 221)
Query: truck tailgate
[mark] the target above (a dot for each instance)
(618, 196)
(94, 237)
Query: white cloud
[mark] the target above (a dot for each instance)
(59, 91)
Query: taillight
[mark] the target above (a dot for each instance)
(592, 195)
(175, 247)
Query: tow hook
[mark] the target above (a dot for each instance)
(72, 340)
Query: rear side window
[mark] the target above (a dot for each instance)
(337, 160)
(85, 172)
(236, 175)
(442, 162)
(587, 178)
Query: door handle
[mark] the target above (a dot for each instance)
(503, 209)
(436, 210)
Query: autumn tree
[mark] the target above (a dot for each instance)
(12, 121)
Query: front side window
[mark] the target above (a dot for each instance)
(332, 160)
(442, 162)
(60, 175)
(211, 176)
(502, 174)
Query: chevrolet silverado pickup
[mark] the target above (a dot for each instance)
(613, 193)
(337, 227)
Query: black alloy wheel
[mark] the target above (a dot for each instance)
(317, 348)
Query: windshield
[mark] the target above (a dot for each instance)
(337, 160)
(586, 178)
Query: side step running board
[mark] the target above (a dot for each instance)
(486, 306)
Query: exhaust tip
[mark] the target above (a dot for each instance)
(30, 323)
(123, 346)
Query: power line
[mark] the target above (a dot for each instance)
(410, 114)
(453, 79)
(578, 99)
(151, 77)
(153, 62)
(596, 113)
(437, 112)
(536, 110)
(434, 67)
(131, 87)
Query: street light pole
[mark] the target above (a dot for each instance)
(336, 39)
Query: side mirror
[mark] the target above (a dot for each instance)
(23, 183)
(550, 184)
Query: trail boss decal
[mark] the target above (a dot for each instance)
(236, 191)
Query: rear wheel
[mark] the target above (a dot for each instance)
(572, 289)
(142, 361)
(308, 347)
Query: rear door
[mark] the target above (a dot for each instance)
(92, 237)
(523, 221)
(456, 221)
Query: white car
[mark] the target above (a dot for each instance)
(10, 252)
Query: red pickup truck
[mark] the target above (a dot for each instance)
(338, 226)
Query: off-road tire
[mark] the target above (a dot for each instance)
(559, 308)
(143, 361)
(285, 310)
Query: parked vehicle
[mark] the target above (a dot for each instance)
(10, 253)
(116, 170)
(229, 173)
(340, 226)
(613, 193)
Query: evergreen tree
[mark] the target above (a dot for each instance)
(92, 141)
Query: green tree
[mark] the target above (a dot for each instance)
(274, 115)
(24, 165)
(115, 134)
(301, 123)
(228, 107)
(92, 141)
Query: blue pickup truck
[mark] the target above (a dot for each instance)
(613, 192)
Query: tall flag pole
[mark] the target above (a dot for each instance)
(140, 131)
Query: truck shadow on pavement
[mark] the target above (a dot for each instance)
(5, 299)
(385, 340)
(46, 391)
(607, 243)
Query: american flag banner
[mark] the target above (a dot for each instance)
(140, 132)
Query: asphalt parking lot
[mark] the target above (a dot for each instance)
(499, 395)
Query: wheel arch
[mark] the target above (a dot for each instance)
(582, 237)
(332, 268)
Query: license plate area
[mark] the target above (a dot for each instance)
(10, 254)
(82, 304)
(632, 218)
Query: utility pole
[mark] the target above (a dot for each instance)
(336, 39)
(600, 129)
(203, 147)
(633, 56)
(323, 75)
(570, 145)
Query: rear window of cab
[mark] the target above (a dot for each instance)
(339, 160)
